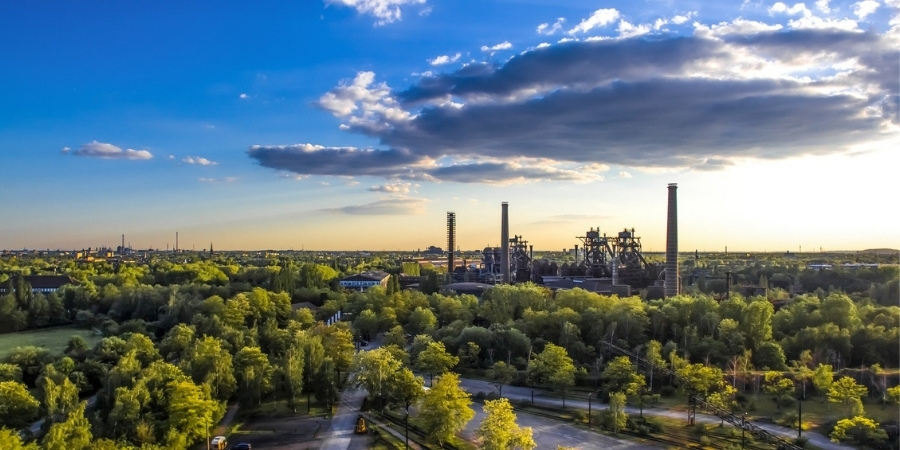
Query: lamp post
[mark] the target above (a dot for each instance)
(799, 416)
(406, 425)
(590, 418)
(743, 430)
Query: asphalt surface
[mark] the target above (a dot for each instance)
(541, 397)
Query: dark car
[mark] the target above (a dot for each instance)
(242, 446)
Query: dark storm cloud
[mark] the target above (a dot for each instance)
(700, 102)
(567, 64)
(659, 122)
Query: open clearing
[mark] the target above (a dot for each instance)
(53, 339)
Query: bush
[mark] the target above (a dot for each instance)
(667, 391)
(701, 429)
(801, 441)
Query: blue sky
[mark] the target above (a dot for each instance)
(356, 124)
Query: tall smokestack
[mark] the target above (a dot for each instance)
(672, 287)
(504, 241)
(451, 240)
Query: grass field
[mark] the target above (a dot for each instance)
(53, 339)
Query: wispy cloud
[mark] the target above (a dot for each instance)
(103, 150)
(599, 18)
(385, 11)
(444, 59)
(505, 45)
(199, 161)
(388, 206)
(548, 29)
(392, 188)
(217, 180)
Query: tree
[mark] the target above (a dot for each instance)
(191, 411)
(801, 371)
(10, 372)
(445, 409)
(435, 360)
(756, 322)
(860, 431)
(847, 392)
(614, 418)
(823, 378)
(254, 372)
(779, 386)
(17, 406)
(653, 355)
(724, 399)
(501, 373)
(499, 431)
(620, 375)
(553, 366)
(700, 379)
(72, 433)
(421, 320)
(366, 323)
(207, 361)
(893, 395)
(374, 371)
(12, 441)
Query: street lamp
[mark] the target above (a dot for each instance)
(590, 423)
(743, 429)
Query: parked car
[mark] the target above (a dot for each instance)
(242, 446)
(219, 443)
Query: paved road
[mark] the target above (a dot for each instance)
(340, 435)
(549, 433)
(541, 397)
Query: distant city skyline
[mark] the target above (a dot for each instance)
(356, 125)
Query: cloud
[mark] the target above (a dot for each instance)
(102, 150)
(506, 45)
(599, 18)
(217, 180)
(199, 160)
(864, 8)
(568, 111)
(570, 218)
(389, 206)
(444, 59)
(823, 6)
(623, 174)
(386, 11)
(392, 188)
(243, 96)
(548, 30)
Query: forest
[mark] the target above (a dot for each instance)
(181, 336)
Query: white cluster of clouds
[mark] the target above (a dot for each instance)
(104, 150)
(445, 59)
(505, 45)
(385, 11)
(199, 161)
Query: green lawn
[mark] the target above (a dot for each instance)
(53, 339)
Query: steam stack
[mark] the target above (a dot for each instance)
(451, 240)
(504, 241)
(672, 276)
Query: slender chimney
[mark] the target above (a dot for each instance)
(451, 240)
(504, 241)
(672, 287)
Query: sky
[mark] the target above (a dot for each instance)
(358, 124)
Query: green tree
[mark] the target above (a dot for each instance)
(12, 441)
(554, 367)
(445, 409)
(366, 323)
(405, 388)
(190, 411)
(848, 392)
(859, 431)
(724, 399)
(614, 418)
(779, 386)
(254, 372)
(435, 360)
(653, 355)
(893, 395)
(374, 371)
(208, 361)
(822, 379)
(700, 379)
(17, 406)
(756, 322)
(499, 431)
(800, 369)
(501, 373)
(72, 433)
(620, 375)
(421, 320)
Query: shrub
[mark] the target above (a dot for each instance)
(667, 391)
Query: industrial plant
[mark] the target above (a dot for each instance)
(608, 264)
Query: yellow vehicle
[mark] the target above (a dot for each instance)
(219, 443)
